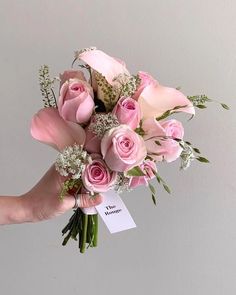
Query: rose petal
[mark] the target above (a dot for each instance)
(48, 127)
(92, 143)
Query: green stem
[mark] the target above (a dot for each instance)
(89, 230)
(95, 232)
(84, 233)
(73, 221)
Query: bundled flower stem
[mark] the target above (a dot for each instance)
(82, 228)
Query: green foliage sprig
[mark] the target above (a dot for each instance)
(189, 153)
(69, 185)
(160, 181)
(200, 101)
(170, 112)
(46, 87)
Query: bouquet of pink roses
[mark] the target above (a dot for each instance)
(111, 129)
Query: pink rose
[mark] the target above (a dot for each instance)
(146, 80)
(127, 111)
(148, 167)
(97, 177)
(76, 102)
(122, 148)
(157, 146)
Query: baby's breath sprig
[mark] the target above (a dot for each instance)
(102, 123)
(72, 161)
(122, 183)
(46, 87)
(200, 101)
(78, 52)
(126, 85)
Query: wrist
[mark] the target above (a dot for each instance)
(25, 212)
(14, 210)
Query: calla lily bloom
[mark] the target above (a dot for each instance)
(49, 127)
(104, 64)
(155, 100)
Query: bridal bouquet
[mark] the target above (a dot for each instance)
(111, 129)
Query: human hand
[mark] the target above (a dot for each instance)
(42, 201)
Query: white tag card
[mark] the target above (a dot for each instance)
(114, 213)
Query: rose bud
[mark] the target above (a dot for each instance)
(76, 102)
(128, 112)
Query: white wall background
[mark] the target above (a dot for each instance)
(187, 245)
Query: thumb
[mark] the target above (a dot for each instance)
(68, 202)
(86, 201)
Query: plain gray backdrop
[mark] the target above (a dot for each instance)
(187, 244)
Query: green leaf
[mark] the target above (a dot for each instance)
(158, 142)
(202, 160)
(140, 131)
(136, 171)
(225, 106)
(196, 150)
(201, 106)
(158, 178)
(179, 107)
(177, 139)
(154, 200)
(164, 115)
(167, 189)
(170, 112)
(152, 189)
(161, 181)
(188, 143)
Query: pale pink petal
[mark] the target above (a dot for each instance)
(137, 181)
(155, 100)
(48, 127)
(92, 143)
(106, 142)
(85, 109)
(104, 64)
(152, 127)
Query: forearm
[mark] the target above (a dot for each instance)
(13, 210)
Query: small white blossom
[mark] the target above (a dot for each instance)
(122, 183)
(78, 52)
(72, 161)
(187, 156)
(125, 85)
(102, 123)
